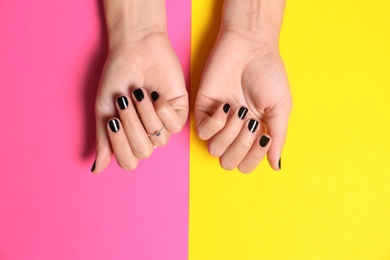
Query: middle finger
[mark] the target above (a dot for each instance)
(154, 127)
(139, 141)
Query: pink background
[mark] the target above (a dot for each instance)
(51, 206)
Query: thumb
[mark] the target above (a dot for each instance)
(277, 128)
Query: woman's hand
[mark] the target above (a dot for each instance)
(243, 102)
(142, 97)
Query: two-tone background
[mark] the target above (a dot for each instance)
(330, 201)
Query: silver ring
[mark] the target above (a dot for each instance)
(157, 133)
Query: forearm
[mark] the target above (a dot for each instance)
(257, 19)
(131, 20)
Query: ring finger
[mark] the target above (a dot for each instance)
(154, 127)
(240, 147)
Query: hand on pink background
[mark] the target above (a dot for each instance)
(243, 102)
(142, 89)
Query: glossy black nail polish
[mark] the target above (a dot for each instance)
(253, 124)
(242, 112)
(93, 166)
(155, 96)
(264, 140)
(280, 163)
(226, 108)
(114, 125)
(123, 103)
(138, 94)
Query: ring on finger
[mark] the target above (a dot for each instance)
(157, 133)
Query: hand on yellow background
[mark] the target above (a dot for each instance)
(249, 76)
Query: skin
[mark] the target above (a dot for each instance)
(140, 57)
(245, 70)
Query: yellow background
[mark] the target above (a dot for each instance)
(332, 198)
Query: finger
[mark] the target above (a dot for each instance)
(255, 154)
(123, 154)
(208, 126)
(139, 141)
(224, 138)
(240, 147)
(153, 125)
(172, 119)
(277, 128)
(103, 146)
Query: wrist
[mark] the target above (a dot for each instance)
(257, 20)
(129, 21)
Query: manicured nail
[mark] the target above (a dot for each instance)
(253, 124)
(138, 94)
(154, 95)
(264, 140)
(242, 112)
(280, 163)
(114, 125)
(93, 166)
(226, 108)
(122, 102)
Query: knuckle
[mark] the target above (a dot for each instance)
(161, 110)
(129, 165)
(214, 150)
(146, 114)
(175, 128)
(244, 169)
(202, 135)
(130, 121)
(102, 107)
(163, 141)
(218, 123)
(244, 146)
(225, 164)
(144, 153)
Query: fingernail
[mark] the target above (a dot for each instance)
(154, 95)
(280, 163)
(253, 124)
(122, 102)
(242, 112)
(138, 94)
(93, 166)
(114, 125)
(264, 140)
(226, 108)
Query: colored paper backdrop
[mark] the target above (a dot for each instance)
(332, 198)
(51, 206)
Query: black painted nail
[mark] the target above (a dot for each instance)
(154, 95)
(280, 163)
(122, 102)
(242, 112)
(138, 94)
(93, 166)
(253, 124)
(264, 140)
(226, 108)
(114, 125)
